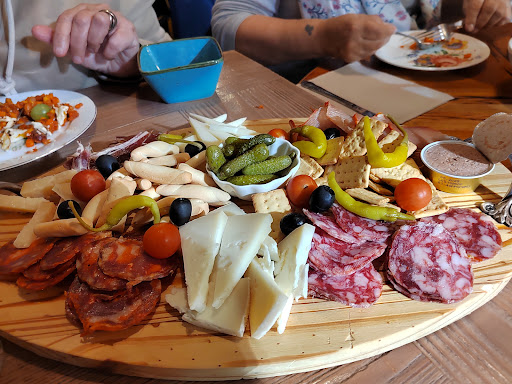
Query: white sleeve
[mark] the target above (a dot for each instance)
(227, 15)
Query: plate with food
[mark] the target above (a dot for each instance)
(207, 286)
(37, 123)
(461, 51)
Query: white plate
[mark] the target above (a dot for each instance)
(397, 52)
(65, 135)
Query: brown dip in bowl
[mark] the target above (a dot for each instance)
(455, 166)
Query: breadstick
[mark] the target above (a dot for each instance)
(158, 173)
(61, 228)
(198, 177)
(210, 195)
(169, 160)
(153, 149)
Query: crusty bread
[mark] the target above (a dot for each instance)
(493, 136)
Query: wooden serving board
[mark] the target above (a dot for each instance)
(319, 334)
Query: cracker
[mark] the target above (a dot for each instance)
(309, 166)
(392, 140)
(354, 144)
(322, 180)
(332, 152)
(368, 196)
(272, 201)
(436, 206)
(352, 172)
(393, 176)
(275, 228)
(380, 189)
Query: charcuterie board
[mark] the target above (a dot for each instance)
(319, 333)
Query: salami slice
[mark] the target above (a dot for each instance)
(120, 310)
(126, 259)
(53, 277)
(16, 260)
(426, 263)
(335, 257)
(328, 224)
(360, 289)
(363, 229)
(89, 271)
(474, 230)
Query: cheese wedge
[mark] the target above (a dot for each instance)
(203, 133)
(267, 300)
(292, 268)
(200, 243)
(230, 318)
(229, 209)
(241, 241)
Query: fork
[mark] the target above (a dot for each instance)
(421, 45)
(440, 32)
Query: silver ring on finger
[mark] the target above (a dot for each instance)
(113, 20)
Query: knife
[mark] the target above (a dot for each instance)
(356, 108)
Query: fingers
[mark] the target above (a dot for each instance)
(43, 33)
(80, 27)
(98, 31)
(118, 41)
(471, 10)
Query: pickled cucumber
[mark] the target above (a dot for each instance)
(268, 166)
(254, 155)
(215, 158)
(243, 146)
(251, 179)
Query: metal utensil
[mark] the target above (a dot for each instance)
(501, 211)
(440, 32)
(13, 187)
(421, 45)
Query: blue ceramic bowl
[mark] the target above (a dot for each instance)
(182, 70)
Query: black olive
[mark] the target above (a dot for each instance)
(107, 164)
(64, 212)
(331, 133)
(291, 221)
(180, 211)
(193, 150)
(321, 199)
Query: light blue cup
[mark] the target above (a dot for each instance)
(182, 70)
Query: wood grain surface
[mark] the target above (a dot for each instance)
(319, 334)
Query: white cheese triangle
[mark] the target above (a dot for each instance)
(200, 244)
(267, 300)
(203, 133)
(229, 209)
(241, 241)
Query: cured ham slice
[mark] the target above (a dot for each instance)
(426, 263)
(474, 230)
(89, 271)
(15, 260)
(126, 259)
(335, 257)
(363, 229)
(327, 223)
(360, 289)
(111, 311)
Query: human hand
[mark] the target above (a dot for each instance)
(485, 13)
(354, 37)
(82, 33)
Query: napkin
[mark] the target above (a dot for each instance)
(377, 91)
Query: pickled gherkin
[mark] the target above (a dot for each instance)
(215, 158)
(251, 179)
(254, 155)
(268, 166)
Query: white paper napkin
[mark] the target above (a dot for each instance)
(380, 92)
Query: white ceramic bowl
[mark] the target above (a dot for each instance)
(244, 192)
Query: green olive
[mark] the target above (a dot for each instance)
(40, 111)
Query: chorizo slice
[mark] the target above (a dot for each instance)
(427, 263)
(360, 289)
(113, 312)
(335, 257)
(15, 260)
(88, 270)
(474, 230)
(126, 259)
(63, 250)
(52, 277)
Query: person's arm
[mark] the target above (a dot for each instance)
(271, 40)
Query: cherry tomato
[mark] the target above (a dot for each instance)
(413, 194)
(161, 240)
(86, 184)
(299, 190)
(279, 134)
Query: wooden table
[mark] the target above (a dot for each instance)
(475, 349)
